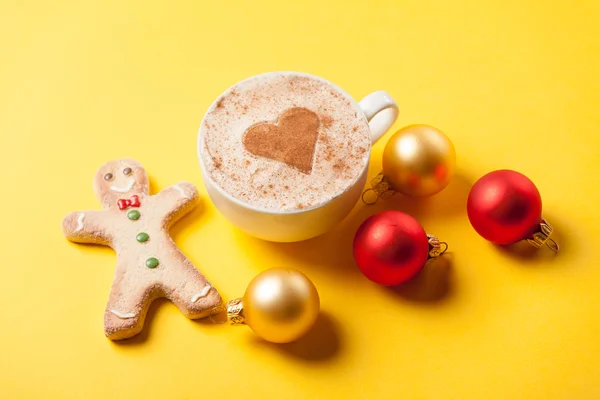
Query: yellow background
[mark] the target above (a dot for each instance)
(515, 84)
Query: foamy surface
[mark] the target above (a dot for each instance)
(341, 151)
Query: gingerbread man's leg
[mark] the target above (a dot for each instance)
(127, 306)
(189, 290)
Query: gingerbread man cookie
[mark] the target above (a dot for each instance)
(149, 264)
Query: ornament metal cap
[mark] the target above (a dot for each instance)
(435, 246)
(235, 311)
(381, 188)
(233, 308)
(542, 237)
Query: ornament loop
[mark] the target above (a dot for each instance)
(380, 188)
(216, 311)
(542, 236)
(552, 245)
(435, 246)
(369, 202)
(445, 248)
(235, 311)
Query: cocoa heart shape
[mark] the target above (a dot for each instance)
(291, 141)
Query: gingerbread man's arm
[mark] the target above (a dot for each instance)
(87, 227)
(181, 199)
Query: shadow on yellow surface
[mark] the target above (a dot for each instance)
(524, 252)
(321, 343)
(143, 336)
(451, 201)
(432, 284)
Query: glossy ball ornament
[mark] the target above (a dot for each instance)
(419, 161)
(391, 247)
(505, 207)
(280, 305)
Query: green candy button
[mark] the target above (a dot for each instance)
(152, 262)
(133, 215)
(142, 237)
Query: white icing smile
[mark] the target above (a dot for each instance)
(123, 189)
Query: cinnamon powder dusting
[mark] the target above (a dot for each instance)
(340, 166)
(291, 141)
(326, 120)
(217, 162)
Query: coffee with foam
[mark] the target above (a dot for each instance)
(284, 142)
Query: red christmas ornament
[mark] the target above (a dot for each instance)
(505, 207)
(391, 247)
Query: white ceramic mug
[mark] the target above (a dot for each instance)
(380, 111)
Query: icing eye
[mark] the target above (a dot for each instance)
(108, 177)
(127, 171)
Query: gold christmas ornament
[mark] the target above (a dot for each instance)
(280, 305)
(418, 161)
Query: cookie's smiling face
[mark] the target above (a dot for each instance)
(120, 179)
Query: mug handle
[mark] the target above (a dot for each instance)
(381, 112)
